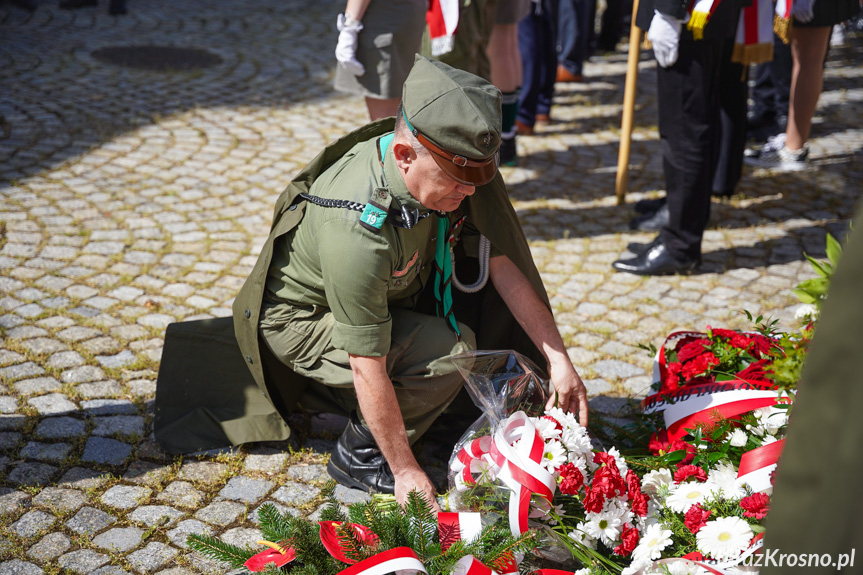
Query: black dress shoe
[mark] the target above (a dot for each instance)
(72, 4)
(639, 248)
(651, 222)
(29, 5)
(116, 7)
(656, 261)
(649, 206)
(357, 462)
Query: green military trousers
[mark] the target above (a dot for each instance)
(418, 363)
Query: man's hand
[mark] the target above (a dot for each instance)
(802, 10)
(571, 393)
(346, 48)
(664, 34)
(411, 479)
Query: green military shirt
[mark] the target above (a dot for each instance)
(330, 260)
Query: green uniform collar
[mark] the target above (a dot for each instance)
(395, 181)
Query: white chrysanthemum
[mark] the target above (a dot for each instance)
(567, 420)
(653, 479)
(724, 538)
(585, 571)
(686, 495)
(738, 438)
(547, 428)
(605, 525)
(768, 439)
(653, 541)
(579, 535)
(806, 312)
(554, 455)
(723, 481)
(576, 440)
(621, 509)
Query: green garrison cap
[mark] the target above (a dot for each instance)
(456, 115)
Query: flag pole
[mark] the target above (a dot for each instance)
(629, 89)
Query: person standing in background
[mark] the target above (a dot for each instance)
(375, 50)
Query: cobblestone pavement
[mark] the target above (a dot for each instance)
(133, 198)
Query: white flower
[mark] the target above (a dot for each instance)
(653, 541)
(576, 440)
(724, 538)
(579, 535)
(768, 439)
(605, 525)
(567, 420)
(684, 567)
(547, 428)
(686, 495)
(722, 480)
(806, 311)
(585, 571)
(554, 455)
(738, 438)
(621, 463)
(653, 479)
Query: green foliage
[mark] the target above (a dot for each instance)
(413, 526)
(814, 291)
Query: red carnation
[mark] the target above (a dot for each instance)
(633, 484)
(628, 540)
(672, 376)
(593, 501)
(687, 471)
(696, 518)
(740, 341)
(761, 345)
(571, 479)
(756, 505)
(639, 504)
(755, 371)
(692, 349)
(700, 365)
(723, 333)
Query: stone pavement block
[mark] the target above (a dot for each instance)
(109, 407)
(107, 451)
(126, 425)
(146, 473)
(82, 561)
(154, 556)
(31, 474)
(181, 494)
(50, 547)
(206, 472)
(119, 539)
(242, 537)
(295, 494)
(246, 489)
(83, 478)
(36, 385)
(181, 532)
(19, 567)
(32, 523)
(52, 452)
(125, 496)
(9, 439)
(308, 472)
(63, 427)
(151, 515)
(89, 521)
(220, 512)
(60, 499)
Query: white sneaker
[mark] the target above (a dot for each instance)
(774, 155)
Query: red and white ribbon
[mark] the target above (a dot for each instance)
(757, 465)
(472, 459)
(393, 560)
(517, 450)
(454, 527)
(688, 414)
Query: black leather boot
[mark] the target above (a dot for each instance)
(357, 462)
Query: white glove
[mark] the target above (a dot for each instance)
(802, 10)
(346, 48)
(664, 34)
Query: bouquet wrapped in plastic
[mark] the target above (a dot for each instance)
(536, 466)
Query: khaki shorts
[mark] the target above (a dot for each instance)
(392, 34)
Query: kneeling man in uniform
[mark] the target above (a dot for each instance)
(353, 291)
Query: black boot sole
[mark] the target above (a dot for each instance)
(342, 477)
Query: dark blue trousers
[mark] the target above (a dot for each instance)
(574, 28)
(536, 42)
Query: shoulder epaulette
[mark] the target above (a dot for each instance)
(375, 213)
